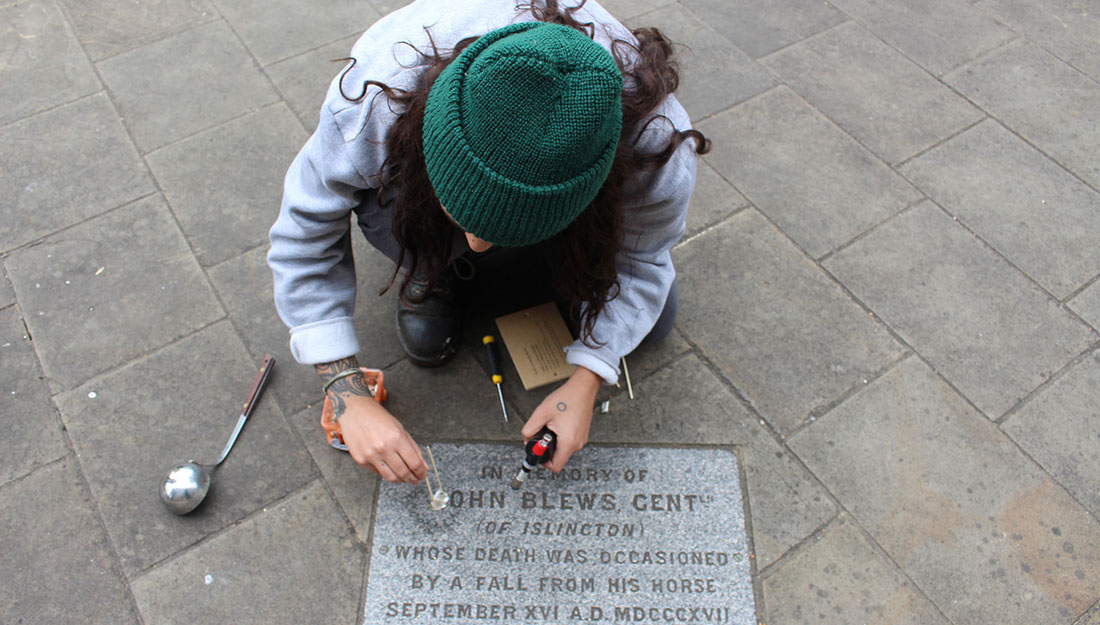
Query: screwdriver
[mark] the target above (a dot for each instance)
(494, 367)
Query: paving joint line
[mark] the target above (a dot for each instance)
(706, 229)
(999, 424)
(710, 116)
(851, 295)
(236, 256)
(820, 412)
(746, 403)
(843, 514)
(763, 58)
(215, 17)
(136, 359)
(946, 139)
(1004, 124)
(246, 113)
(259, 66)
(116, 567)
(34, 469)
(44, 239)
(866, 233)
(320, 473)
(184, 550)
(1049, 157)
(1093, 610)
(1084, 287)
(1030, 396)
(997, 253)
(759, 602)
(54, 107)
(368, 549)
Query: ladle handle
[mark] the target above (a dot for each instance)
(253, 397)
(258, 385)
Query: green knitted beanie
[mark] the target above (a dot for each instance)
(520, 131)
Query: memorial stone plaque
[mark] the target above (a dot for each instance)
(622, 535)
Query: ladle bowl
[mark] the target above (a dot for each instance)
(185, 487)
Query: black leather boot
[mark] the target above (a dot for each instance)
(429, 330)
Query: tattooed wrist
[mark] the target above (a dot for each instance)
(328, 369)
(340, 390)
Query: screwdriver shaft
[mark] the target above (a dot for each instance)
(502, 408)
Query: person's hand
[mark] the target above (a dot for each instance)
(378, 441)
(375, 439)
(568, 412)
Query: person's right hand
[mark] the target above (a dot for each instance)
(378, 441)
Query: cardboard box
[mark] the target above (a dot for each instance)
(535, 339)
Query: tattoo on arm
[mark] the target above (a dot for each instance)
(561, 406)
(344, 387)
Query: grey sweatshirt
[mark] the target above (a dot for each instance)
(338, 170)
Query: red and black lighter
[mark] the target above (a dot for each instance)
(539, 450)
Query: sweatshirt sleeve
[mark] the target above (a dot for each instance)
(654, 221)
(310, 255)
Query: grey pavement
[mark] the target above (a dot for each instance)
(890, 297)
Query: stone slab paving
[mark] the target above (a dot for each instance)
(354, 489)
(887, 102)
(712, 201)
(839, 576)
(64, 166)
(217, 181)
(992, 332)
(1042, 218)
(816, 183)
(760, 32)
(628, 9)
(32, 434)
(1087, 304)
(1070, 29)
(1059, 429)
(827, 296)
(109, 290)
(799, 342)
(109, 27)
(916, 466)
(1048, 103)
(58, 565)
(715, 73)
(938, 34)
(43, 63)
(164, 95)
(262, 26)
(304, 79)
(686, 403)
(293, 562)
(129, 427)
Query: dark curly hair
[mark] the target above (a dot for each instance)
(586, 271)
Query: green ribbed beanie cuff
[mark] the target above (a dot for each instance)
(521, 129)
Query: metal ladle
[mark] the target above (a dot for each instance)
(186, 485)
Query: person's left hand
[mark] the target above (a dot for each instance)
(568, 412)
